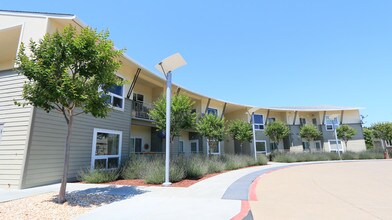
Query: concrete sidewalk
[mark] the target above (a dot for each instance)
(202, 200)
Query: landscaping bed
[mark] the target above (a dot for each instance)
(147, 171)
(325, 156)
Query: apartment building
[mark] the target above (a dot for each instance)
(32, 141)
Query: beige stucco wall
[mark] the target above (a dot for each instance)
(143, 132)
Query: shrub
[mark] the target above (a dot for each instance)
(284, 158)
(196, 167)
(98, 176)
(349, 155)
(371, 154)
(333, 156)
(134, 168)
(262, 159)
(233, 162)
(215, 165)
(155, 172)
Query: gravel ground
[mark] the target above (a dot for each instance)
(45, 207)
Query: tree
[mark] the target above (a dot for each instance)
(240, 131)
(65, 71)
(181, 116)
(368, 136)
(309, 133)
(212, 127)
(276, 131)
(345, 133)
(383, 130)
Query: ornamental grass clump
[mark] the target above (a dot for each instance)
(196, 167)
(98, 176)
(233, 162)
(155, 172)
(262, 159)
(133, 169)
(285, 158)
(215, 165)
(349, 155)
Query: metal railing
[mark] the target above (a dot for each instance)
(141, 109)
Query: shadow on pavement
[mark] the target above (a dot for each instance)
(100, 195)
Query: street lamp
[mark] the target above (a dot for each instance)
(166, 67)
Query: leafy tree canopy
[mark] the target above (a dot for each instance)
(66, 69)
(345, 132)
(212, 127)
(276, 131)
(181, 116)
(368, 136)
(240, 130)
(309, 132)
(382, 130)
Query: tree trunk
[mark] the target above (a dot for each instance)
(61, 198)
(208, 148)
(345, 143)
(241, 148)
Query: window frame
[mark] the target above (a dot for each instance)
(341, 146)
(107, 157)
(304, 147)
(300, 121)
(258, 126)
(117, 96)
(329, 124)
(265, 147)
(219, 149)
(179, 145)
(141, 143)
(212, 108)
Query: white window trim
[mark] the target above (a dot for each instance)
(305, 144)
(197, 146)
(217, 110)
(142, 144)
(254, 124)
(219, 149)
(183, 146)
(341, 148)
(117, 96)
(326, 124)
(321, 146)
(94, 147)
(265, 144)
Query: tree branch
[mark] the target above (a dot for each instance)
(65, 115)
(79, 113)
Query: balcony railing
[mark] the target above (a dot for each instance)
(141, 109)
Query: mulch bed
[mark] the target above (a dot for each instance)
(182, 183)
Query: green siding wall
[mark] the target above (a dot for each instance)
(44, 163)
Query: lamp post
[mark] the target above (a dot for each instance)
(166, 67)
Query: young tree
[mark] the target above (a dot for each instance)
(382, 130)
(212, 127)
(240, 131)
(368, 136)
(64, 72)
(181, 116)
(345, 133)
(276, 131)
(310, 133)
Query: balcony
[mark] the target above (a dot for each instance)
(140, 110)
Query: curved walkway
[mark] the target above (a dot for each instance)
(359, 190)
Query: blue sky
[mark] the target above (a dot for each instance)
(263, 53)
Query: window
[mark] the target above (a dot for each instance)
(273, 146)
(261, 146)
(215, 149)
(138, 101)
(194, 146)
(213, 111)
(302, 121)
(305, 145)
(329, 123)
(314, 121)
(136, 144)
(318, 145)
(258, 122)
(270, 120)
(181, 146)
(116, 94)
(106, 152)
(333, 147)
